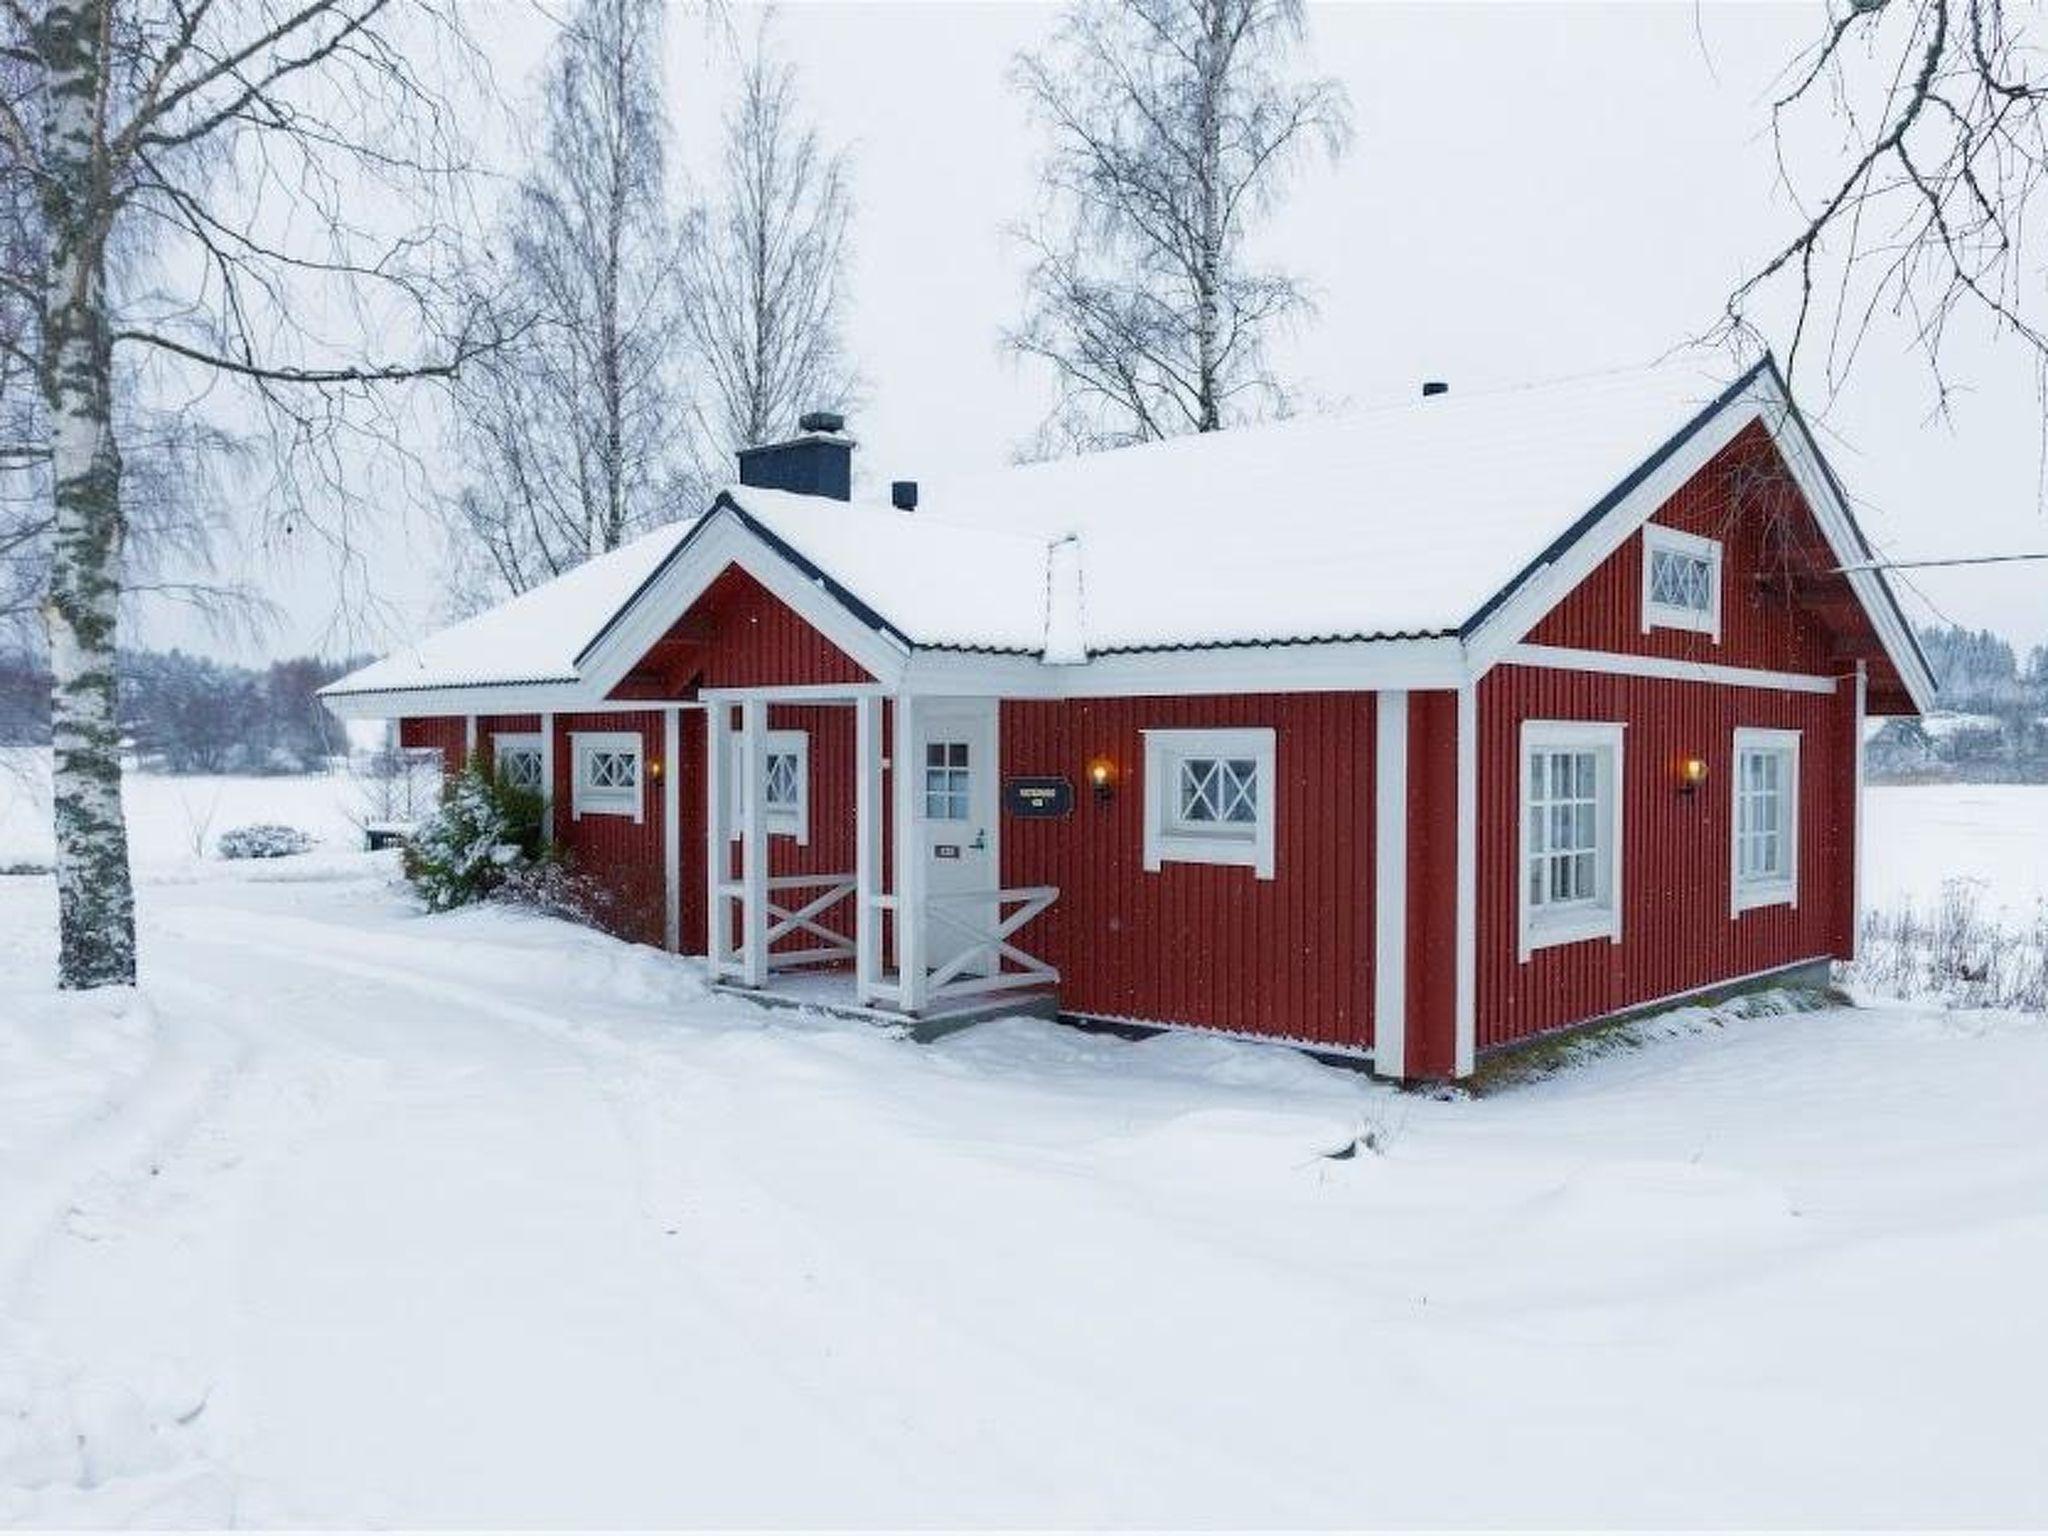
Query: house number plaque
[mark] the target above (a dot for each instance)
(1038, 797)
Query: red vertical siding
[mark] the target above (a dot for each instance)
(1432, 884)
(621, 854)
(1677, 931)
(1782, 608)
(446, 734)
(737, 634)
(1203, 944)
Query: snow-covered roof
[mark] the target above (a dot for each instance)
(1398, 521)
(1402, 521)
(532, 638)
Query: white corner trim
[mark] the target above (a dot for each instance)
(1856, 748)
(1776, 893)
(1467, 1005)
(547, 777)
(1603, 920)
(1389, 895)
(671, 831)
(1656, 615)
(1565, 659)
(1169, 843)
(586, 799)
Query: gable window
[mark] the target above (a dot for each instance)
(1766, 820)
(518, 761)
(1570, 833)
(1681, 581)
(785, 785)
(1209, 798)
(607, 776)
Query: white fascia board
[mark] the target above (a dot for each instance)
(480, 699)
(1323, 667)
(1510, 623)
(1623, 664)
(1837, 524)
(720, 542)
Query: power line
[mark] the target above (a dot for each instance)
(1922, 565)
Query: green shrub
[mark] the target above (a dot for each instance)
(483, 830)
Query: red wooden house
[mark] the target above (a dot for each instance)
(1413, 734)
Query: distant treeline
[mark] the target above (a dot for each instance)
(185, 714)
(1992, 720)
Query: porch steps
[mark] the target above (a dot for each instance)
(819, 994)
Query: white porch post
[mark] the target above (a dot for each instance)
(908, 780)
(1390, 884)
(1856, 832)
(753, 843)
(1467, 987)
(671, 831)
(718, 839)
(468, 742)
(547, 778)
(867, 848)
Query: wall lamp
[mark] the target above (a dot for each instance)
(1102, 778)
(1692, 773)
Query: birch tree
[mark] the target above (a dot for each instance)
(766, 270)
(1912, 146)
(1175, 125)
(570, 433)
(222, 191)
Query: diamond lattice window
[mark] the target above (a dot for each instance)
(519, 768)
(1219, 792)
(1681, 581)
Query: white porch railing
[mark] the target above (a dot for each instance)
(979, 967)
(829, 946)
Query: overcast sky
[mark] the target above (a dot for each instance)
(1534, 191)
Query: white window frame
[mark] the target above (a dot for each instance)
(587, 799)
(522, 741)
(1168, 840)
(1748, 895)
(1536, 927)
(779, 820)
(1676, 541)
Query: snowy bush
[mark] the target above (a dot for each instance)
(1957, 953)
(482, 831)
(266, 840)
(554, 888)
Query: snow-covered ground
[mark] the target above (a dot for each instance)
(170, 817)
(1921, 835)
(358, 1216)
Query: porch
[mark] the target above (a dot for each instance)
(920, 928)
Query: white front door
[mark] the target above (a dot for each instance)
(956, 804)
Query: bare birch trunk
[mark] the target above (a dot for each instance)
(95, 893)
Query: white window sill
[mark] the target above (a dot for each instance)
(1749, 898)
(630, 810)
(1172, 848)
(1655, 617)
(1570, 928)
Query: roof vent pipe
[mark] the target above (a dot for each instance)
(903, 495)
(1434, 387)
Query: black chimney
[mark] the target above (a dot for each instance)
(818, 461)
(903, 495)
(1434, 387)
